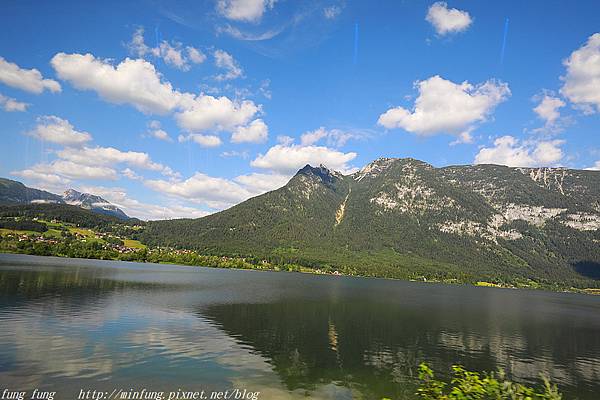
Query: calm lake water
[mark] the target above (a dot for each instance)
(67, 325)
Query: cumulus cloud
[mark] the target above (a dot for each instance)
(109, 156)
(510, 151)
(219, 193)
(30, 80)
(62, 171)
(582, 81)
(244, 10)
(172, 53)
(548, 109)
(155, 131)
(595, 167)
(258, 183)
(447, 107)
(215, 113)
(256, 132)
(10, 105)
(285, 159)
(226, 61)
(131, 174)
(44, 177)
(447, 20)
(136, 82)
(202, 140)
(202, 189)
(57, 130)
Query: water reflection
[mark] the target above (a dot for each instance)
(71, 323)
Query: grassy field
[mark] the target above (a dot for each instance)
(134, 244)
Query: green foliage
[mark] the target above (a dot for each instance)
(468, 385)
(69, 214)
(25, 225)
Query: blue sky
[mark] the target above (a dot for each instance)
(173, 110)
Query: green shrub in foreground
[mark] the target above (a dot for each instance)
(467, 385)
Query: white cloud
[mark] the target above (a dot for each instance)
(447, 20)
(9, 104)
(145, 211)
(134, 82)
(73, 170)
(595, 167)
(215, 113)
(260, 183)
(157, 132)
(219, 193)
(548, 109)
(510, 151)
(333, 137)
(109, 156)
(244, 10)
(57, 130)
(446, 107)
(285, 140)
(312, 137)
(196, 56)
(44, 177)
(582, 82)
(173, 53)
(256, 132)
(131, 174)
(61, 172)
(226, 61)
(30, 80)
(202, 140)
(161, 135)
(332, 12)
(290, 158)
(203, 189)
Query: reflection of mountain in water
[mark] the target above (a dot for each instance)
(376, 349)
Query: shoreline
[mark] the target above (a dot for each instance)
(587, 291)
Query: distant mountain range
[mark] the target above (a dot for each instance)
(13, 192)
(400, 218)
(404, 218)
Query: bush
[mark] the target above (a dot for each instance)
(467, 385)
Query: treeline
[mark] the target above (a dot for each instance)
(23, 225)
(70, 247)
(68, 214)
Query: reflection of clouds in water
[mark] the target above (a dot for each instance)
(39, 354)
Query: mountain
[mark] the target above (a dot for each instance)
(13, 192)
(403, 218)
(93, 203)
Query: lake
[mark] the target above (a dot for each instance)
(70, 324)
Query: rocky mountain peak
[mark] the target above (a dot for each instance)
(321, 172)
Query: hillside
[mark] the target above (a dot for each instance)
(12, 192)
(404, 218)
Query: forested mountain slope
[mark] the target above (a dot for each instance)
(404, 218)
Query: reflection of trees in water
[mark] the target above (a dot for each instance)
(376, 349)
